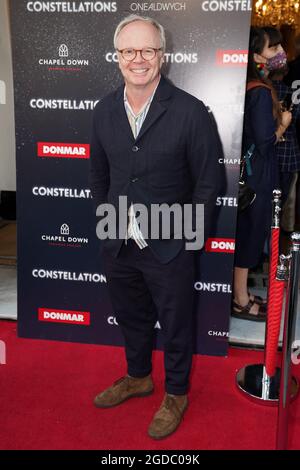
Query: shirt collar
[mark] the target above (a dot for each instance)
(148, 102)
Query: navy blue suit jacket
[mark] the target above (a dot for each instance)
(174, 159)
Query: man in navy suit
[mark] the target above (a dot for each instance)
(154, 144)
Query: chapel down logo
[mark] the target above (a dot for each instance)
(64, 59)
(65, 229)
(63, 51)
(64, 238)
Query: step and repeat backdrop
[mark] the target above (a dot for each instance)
(64, 63)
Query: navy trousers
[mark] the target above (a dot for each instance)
(142, 291)
(285, 185)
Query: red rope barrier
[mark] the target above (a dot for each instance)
(273, 325)
(275, 300)
(274, 254)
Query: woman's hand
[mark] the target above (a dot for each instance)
(286, 118)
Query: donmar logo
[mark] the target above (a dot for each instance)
(59, 150)
(64, 316)
(63, 51)
(2, 92)
(2, 352)
(232, 58)
(220, 245)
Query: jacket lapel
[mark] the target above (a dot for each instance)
(155, 111)
(158, 106)
(119, 114)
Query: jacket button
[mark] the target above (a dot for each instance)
(135, 148)
(134, 180)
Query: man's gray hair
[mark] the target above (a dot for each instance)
(131, 18)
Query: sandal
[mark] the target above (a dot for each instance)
(244, 314)
(259, 301)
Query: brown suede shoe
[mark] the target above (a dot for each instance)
(122, 389)
(168, 417)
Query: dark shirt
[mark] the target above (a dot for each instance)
(287, 151)
(294, 72)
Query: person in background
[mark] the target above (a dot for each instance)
(287, 149)
(294, 65)
(291, 78)
(264, 126)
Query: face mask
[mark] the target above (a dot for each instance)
(277, 62)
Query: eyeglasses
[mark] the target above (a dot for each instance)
(148, 53)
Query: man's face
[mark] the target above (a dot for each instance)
(139, 72)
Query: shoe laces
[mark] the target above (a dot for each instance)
(171, 404)
(124, 380)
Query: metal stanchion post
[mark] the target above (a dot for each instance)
(266, 393)
(286, 382)
(253, 380)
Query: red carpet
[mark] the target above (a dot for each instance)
(47, 390)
